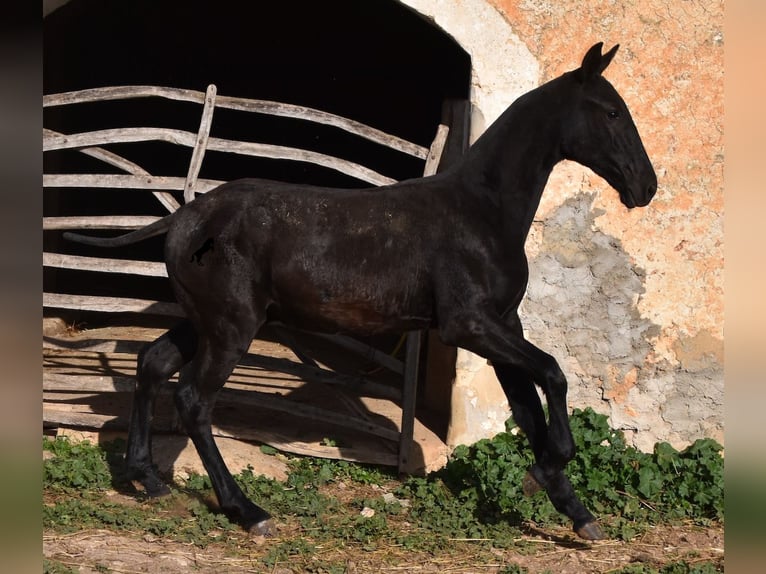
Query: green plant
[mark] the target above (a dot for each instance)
(477, 497)
(54, 567)
(481, 485)
(75, 465)
(682, 567)
(512, 569)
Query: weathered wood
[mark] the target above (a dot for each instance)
(249, 398)
(55, 416)
(279, 441)
(99, 222)
(188, 139)
(201, 144)
(241, 104)
(384, 360)
(104, 265)
(111, 304)
(88, 384)
(107, 181)
(166, 199)
(325, 118)
(409, 398)
(285, 443)
(436, 149)
(307, 373)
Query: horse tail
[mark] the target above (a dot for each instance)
(151, 230)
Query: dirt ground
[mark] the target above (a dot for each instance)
(554, 551)
(557, 552)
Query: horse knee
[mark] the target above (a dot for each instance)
(567, 450)
(159, 360)
(151, 369)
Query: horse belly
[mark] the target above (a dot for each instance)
(379, 305)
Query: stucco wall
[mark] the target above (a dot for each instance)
(629, 302)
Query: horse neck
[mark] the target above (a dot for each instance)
(510, 163)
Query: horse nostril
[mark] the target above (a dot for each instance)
(651, 190)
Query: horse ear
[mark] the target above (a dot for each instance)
(593, 64)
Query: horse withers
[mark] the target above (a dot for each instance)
(444, 252)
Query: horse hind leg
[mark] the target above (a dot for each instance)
(157, 362)
(195, 396)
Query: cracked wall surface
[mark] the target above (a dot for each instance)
(629, 302)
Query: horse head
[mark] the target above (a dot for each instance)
(601, 135)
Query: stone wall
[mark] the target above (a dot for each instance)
(629, 302)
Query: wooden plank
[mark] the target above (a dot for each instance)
(287, 444)
(99, 222)
(325, 118)
(104, 265)
(267, 363)
(280, 441)
(115, 180)
(240, 104)
(180, 137)
(111, 304)
(55, 416)
(121, 93)
(111, 158)
(184, 138)
(436, 149)
(201, 144)
(236, 397)
(409, 398)
(384, 360)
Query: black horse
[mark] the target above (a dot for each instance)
(444, 252)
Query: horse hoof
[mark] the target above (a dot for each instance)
(591, 531)
(530, 485)
(153, 488)
(262, 528)
(158, 491)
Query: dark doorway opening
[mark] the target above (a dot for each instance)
(377, 62)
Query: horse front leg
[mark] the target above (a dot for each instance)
(518, 362)
(528, 414)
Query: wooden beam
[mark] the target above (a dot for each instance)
(188, 139)
(201, 144)
(104, 265)
(124, 181)
(166, 199)
(111, 304)
(240, 104)
(99, 222)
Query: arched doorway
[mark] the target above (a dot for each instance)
(377, 62)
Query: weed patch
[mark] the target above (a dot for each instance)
(473, 507)
(480, 489)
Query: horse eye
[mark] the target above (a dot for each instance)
(613, 115)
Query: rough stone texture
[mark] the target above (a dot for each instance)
(630, 302)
